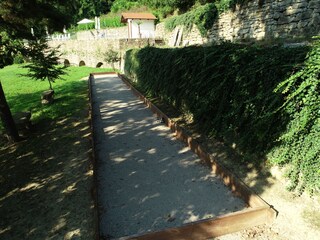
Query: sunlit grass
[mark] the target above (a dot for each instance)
(24, 94)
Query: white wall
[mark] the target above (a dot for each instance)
(147, 29)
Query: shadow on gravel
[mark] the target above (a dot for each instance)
(148, 180)
(231, 92)
(45, 183)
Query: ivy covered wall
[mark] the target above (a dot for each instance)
(263, 101)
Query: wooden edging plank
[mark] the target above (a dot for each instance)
(214, 227)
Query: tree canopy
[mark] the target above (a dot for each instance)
(17, 17)
(45, 62)
(163, 8)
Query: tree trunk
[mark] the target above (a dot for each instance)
(50, 84)
(7, 119)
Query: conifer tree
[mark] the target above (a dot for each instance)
(45, 62)
(16, 20)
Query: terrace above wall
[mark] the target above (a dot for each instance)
(110, 33)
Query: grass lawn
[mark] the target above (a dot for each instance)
(24, 94)
(46, 180)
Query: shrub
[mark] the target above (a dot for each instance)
(83, 27)
(110, 22)
(203, 17)
(44, 62)
(122, 5)
(18, 59)
(264, 101)
(112, 57)
(300, 143)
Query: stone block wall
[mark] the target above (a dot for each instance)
(268, 19)
(256, 20)
(125, 44)
(93, 51)
(89, 51)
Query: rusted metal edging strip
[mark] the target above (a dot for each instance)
(237, 186)
(94, 160)
(213, 227)
(259, 213)
(103, 73)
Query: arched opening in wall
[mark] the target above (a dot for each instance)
(99, 64)
(66, 63)
(82, 63)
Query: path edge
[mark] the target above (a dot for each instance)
(260, 211)
(94, 189)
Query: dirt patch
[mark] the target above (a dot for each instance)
(45, 183)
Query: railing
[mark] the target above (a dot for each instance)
(59, 37)
(97, 34)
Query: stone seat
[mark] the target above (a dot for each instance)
(22, 120)
(47, 97)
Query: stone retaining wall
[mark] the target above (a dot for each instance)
(269, 19)
(94, 51)
(89, 51)
(290, 20)
(257, 20)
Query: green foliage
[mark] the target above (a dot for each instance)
(83, 27)
(169, 6)
(44, 62)
(18, 17)
(123, 5)
(300, 144)
(110, 21)
(161, 8)
(86, 8)
(203, 17)
(18, 59)
(112, 57)
(55, 14)
(106, 21)
(166, 7)
(23, 94)
(8, 49)
(91, 9)
(258, 99)
(224, 5)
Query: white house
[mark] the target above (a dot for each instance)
(140, 25)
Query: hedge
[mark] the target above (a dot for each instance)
(264, 101)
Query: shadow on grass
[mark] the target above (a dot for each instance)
(45, 181)
(70, 99)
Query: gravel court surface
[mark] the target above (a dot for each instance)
(147, 180)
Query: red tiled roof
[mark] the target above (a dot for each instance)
(145, 16)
